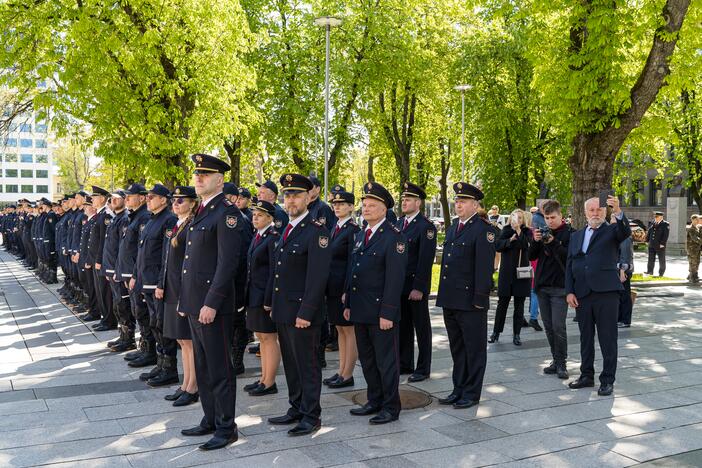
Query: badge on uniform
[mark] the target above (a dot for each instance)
(400, 247)
(430, 234)
(231, 221)
(323, 242)
(278, 223)
(491, 237)
(107, 222)
(322, 220)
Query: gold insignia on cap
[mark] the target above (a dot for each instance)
(259, 204)
(369, 186)
(406, 185)
(177, 192)
(337, 188)
(288, 178)
(459, 186)
(198, 158)
(337, 197)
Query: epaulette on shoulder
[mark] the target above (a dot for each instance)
(486, 221)
(226, 202)
(397, 230)
(316, 223)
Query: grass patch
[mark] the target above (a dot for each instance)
(639, 277)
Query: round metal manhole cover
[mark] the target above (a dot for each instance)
(411, 399)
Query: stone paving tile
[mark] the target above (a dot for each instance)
(20, 407)
(589, 456)
(659, 444)
(400, 443)
(649, 421)
(463, 456)
(119, 461)
(68, 432)
(42, 419)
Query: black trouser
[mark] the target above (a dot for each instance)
(104, 298)
(501, 314)
(652, 253)
(626, 306)
(241, 334)
(598, 311)
(216, 380)
(467, 334)
(415, 318)
(299, 348)
(164, 345)
(554, 308)
(379, 353)
(120, 304)
(87, 282)
(141, 315)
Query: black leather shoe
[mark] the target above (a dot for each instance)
(102, 327)
(533, 323)
(133, 355)
(331, 379)
(304, 428)
(254, 349)
(263, 390)
(143, 361)
(623, 325)
(364, 410)
(494, 338)
(605, 389)
(342, 382)
(251, 386)
(163, 378)
(449, 400)
(197, 431)
(464, 403)
(582, 382)
(417, 377)
(551, 369)
(89, 318)
(383, 417)
(114, 342)
(175, 395)
(285, 419)
(145, 376)
(187, 399)
(562, 371)
(123, 346)
(218, 442)
(517, 340)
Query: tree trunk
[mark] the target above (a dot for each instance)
(399, 129)
(233, 149)
(371, 175)
(594, 153)
(443, 182)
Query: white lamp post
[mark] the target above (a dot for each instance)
(463, 88)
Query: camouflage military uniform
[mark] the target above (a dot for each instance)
(694, 243)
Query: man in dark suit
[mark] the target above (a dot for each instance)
(593, 287)
(464, 293)
(211, 259)
(268, 191)
(420, 234)
(657, 238)
(302, 260)
(372, 303)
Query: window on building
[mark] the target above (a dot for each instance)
(10, 172)
(26, 158)
(42, 174)
(42, 158)
(0, 188)
(27, 173)
(12, 188)
(42, 189)
(10, 157)
(27, 189)
(25, 127)
(11, 142)
(40, 143)
(656, 197)
(40, 128)
(25, 143)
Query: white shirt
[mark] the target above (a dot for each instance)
(180, 221)
(341, 222)
(409, 219)
(466, 220)
(262, 231)
(296, 221)
(374, 228)
(205, 202)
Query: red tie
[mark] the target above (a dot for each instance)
(287, 231)
(460, 228)
(337, 230)
(368, 234)
(404, 227)
(258, 238)
(199, 210)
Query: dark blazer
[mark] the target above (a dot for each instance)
(467, 265)
(421, 250)
(247, 234)
(112, 238)
(49, 233)
(97, 237)
(129, 242)
(259, 267)
(376, 275)
(77, 231)
(322, 213)
(86, 225)
(596, 269)
(300, 276)
(280, 218)
(508, 284)
(172, 264)
(150, 253)
(211, 259)
(341, 248)
(657, 235)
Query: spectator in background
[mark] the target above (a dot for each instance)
(657, 238)
(494, 219)
(550, 250)
(537, 222)
(694, 242)
(625, 265)
(514, 244)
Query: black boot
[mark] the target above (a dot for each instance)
(112, 343)
(154, 371)
(238, 360)
(147, 358)
(494, 338)
(135, 354)
(168, 374)
(52, 278)
(127, 342)
(517, 340)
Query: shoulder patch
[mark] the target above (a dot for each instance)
(107, 221)
(323, 242)
(490, 236)
(231, 221)
(400, 247)
(278, 223)
(226, 202)
(430, 234)
(322, 219)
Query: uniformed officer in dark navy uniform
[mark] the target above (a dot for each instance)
(464, 293)
(302, 260)
(84, 287)
(147, 269)
(210, 263)
(36, 236)
(85, 264)
(373, 297)
(268, 191)
(120, 293)
(420, 234)
(96, 246)
(126, 259)
(244, 202)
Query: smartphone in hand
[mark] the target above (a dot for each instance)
(603, 197)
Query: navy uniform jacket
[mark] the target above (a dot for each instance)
(341, 249)
(36, 234)
(86, 225)
(421, 250)
(97, 237)
(67, 234)
(77, 231)
(172, 264)
(280, 218)
(467, 265)
(211, 259)
(49, 233)
(247, 233)
(376, 275)
(111, 245)
(59, 236)
(595, 270)
(259, 267)
(300, 275)
(248, 213)
(657, 235)
(129, 242)
(147, 267)
(322, 213)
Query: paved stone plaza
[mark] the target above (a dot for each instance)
(66, 401)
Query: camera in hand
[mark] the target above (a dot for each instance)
(546, 233)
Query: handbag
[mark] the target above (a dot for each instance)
(524, 272)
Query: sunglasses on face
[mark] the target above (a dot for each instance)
(178, 201)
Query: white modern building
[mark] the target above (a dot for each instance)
(27, 169)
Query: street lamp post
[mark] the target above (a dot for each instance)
(463, 89)
(327, 22)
